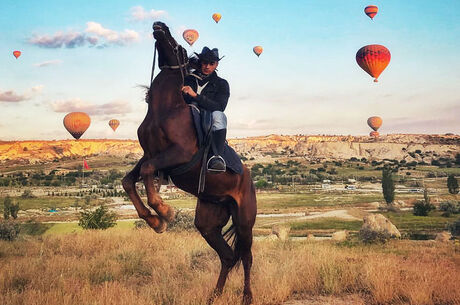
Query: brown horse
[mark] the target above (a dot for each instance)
(169, 139)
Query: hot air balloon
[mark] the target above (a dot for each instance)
(114, 123)
(17, 54)
(258, 50)
(374, 122)
(374, 134)
(373, 59)
(371, 11)
(76, 123)
(190, 36)
(216, 17)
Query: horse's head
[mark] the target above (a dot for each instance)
(170, 54)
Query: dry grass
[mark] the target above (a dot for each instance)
(140, 267)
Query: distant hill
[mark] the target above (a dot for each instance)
(261, 149)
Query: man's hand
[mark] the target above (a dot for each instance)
(188, 90)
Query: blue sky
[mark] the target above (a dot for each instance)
(305, 82)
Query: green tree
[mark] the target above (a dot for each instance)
(100, 219)
(6, 207)
(261, 184)
(14, 209)
(452, 184)
(388, 186)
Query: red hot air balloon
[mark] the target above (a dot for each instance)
(374, 122)
(17, 54)
(373, 59)
(76, 123)
(258, 50)
(371, 11)
(190, 36)
(114, 123)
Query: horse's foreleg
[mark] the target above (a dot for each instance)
(129, 184)
(170, 157)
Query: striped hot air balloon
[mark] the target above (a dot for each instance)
(216, 17)
(77, 123)
(371, 11)
(373, 59)
(114, 123)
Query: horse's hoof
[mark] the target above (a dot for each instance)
(157, 223)
(162, 226)
(247, 300)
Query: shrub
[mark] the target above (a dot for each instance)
(8, 230)
(27, 194)
(184, 221)
(449, 208)
(422, 208)
(454, 228)
(373, 237)
(101, 218)
(140, 224)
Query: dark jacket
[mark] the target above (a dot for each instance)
(213, 97)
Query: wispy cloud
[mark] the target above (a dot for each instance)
(48, 63)
(60, 39)
(12, 97)
(138, 13)
(116, 107)
(94, 35)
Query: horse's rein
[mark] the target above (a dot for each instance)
(180, 66)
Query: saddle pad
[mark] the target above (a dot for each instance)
(232, 160)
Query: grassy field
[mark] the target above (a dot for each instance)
(327, 224)
(407, 221)
(140, 267)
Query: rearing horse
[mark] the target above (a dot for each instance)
(168, 138)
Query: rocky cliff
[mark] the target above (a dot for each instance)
(397, 146)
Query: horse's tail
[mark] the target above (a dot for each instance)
(231, 236)
(239, 243)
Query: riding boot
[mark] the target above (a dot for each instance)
(216, 163)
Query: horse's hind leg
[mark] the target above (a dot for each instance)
(129, 184)
(210, 218)
(245, 219)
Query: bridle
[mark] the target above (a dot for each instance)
(181, 57)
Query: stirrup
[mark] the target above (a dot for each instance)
(216, 170)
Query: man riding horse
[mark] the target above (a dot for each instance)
(210, 93)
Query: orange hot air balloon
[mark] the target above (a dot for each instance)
(374, 134)
(258, 50)
(190, 36)
(76, 123)
(374, 122)
(373, 59)
(371, 11)
(216, 17)
(114, 123)
(17, 54)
